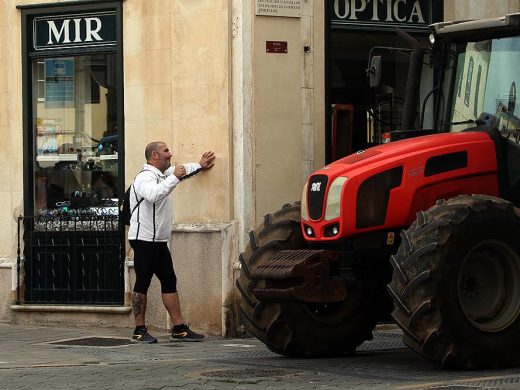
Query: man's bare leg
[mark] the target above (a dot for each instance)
(141, 334)
(179, 333)
(139, 308)
(173, 306)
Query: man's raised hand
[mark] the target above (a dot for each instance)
(207, 160)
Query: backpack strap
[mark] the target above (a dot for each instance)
(191, 174)
(135, 193)
(139, 201)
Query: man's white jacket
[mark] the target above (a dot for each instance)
(152, 217)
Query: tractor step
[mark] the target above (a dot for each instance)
(299, 275)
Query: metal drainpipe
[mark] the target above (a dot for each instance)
(18, 251)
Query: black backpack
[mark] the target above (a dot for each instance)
(126, 214)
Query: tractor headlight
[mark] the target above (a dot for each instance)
(333, 204)
(304, 213)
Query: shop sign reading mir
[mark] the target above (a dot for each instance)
(75, 30)
(384, 13)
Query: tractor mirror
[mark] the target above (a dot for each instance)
(374, 72)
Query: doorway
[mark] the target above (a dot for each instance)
(360, 115)
(73, 241)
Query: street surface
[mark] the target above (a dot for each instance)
(33, 357)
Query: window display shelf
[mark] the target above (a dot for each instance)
(108, 157)
(78, 170)
(47, 161)
(57, 157)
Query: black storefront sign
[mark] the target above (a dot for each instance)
(411, 15)
(75, 31)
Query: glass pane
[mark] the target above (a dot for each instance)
(41, 80)
(489, 93)
(76, 135)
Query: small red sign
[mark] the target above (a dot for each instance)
(276, 47)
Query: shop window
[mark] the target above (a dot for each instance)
(76, 140)
(40, 80)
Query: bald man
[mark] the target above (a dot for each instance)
(149, 233)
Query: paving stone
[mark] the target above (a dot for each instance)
(30, 359)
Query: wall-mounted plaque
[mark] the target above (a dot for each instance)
(276, 47)
(287, 8)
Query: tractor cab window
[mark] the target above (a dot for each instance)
(479, 86)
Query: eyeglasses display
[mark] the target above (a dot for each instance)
(65, 218)
(74, 224)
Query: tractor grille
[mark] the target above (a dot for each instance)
(316, 195)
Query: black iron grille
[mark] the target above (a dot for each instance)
(72, 260)
(316, 195)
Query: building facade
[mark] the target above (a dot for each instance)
(276, 88)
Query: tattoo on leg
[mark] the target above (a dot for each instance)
(138, 303)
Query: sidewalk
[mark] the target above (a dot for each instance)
(33, 357)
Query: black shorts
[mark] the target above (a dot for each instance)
(153, 258)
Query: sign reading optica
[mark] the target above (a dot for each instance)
(75, 30)
(406, 14)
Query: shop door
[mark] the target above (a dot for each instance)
(73, 243)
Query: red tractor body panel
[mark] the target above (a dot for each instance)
(420, 185)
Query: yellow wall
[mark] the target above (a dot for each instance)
(288, 125)
(277, 113)
(177, 83)
(11, 149)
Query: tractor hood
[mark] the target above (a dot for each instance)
(387, 184)
(400, 150)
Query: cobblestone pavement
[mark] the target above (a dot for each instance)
(34, 357)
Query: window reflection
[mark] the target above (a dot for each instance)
(490, 93)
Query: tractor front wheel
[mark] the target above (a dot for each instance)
(298, 329)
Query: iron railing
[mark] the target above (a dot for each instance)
(71, 258)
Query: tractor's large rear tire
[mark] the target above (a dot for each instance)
(293, 328)
(456, 283)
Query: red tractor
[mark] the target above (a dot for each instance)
(424, 227)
